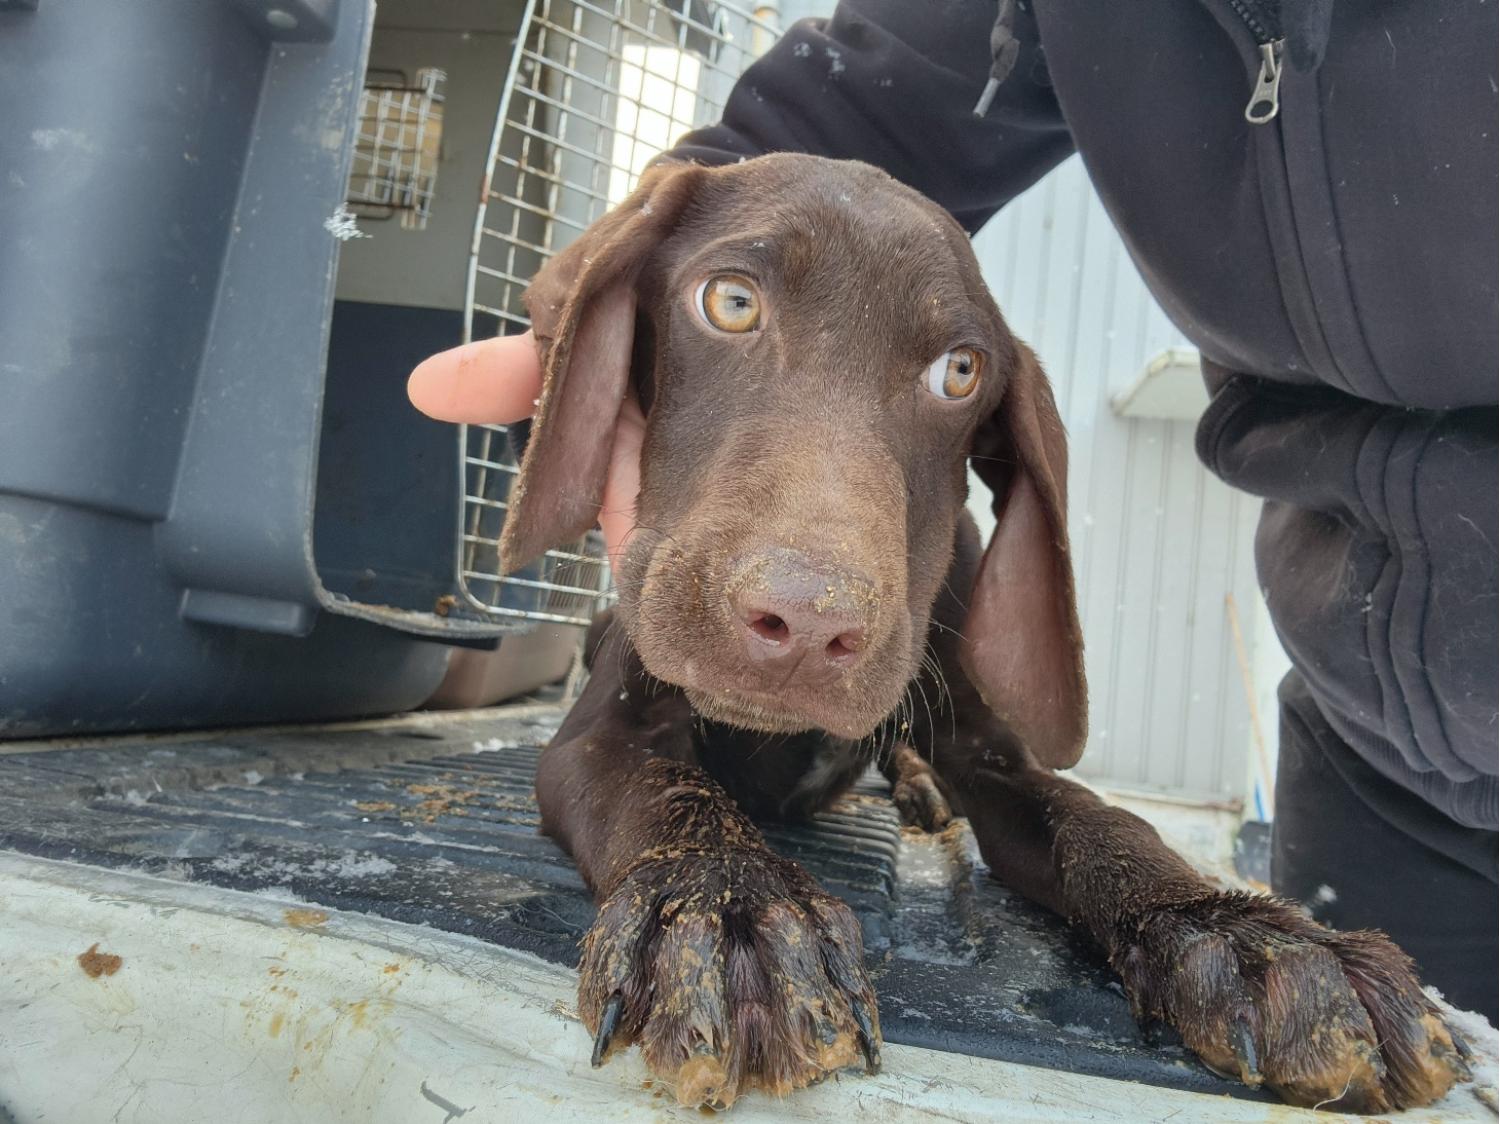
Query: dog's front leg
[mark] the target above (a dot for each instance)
(1257, 988)
(727, 963)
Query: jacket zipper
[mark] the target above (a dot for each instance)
(1264, 23)
(1265, 98)
(1309, 310)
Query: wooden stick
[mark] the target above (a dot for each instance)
(1256, 733)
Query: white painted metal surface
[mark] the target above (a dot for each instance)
(241, 1009)
(1158, 543)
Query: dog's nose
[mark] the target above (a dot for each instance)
(809, 618)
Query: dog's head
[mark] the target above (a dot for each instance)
(818, 359)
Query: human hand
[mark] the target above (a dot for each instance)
(498, 381)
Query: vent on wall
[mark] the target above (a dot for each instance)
(1169, 388)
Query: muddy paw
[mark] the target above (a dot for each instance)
(1264, 994)
(920, 803)
(732, 971)
(915, 790)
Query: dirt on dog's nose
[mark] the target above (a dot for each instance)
(801, 618)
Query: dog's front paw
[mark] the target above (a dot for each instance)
(733, 970)
(1265, 994)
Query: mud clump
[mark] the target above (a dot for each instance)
(95, 963)
(440, 800)
(305, 918)
(702, 1081)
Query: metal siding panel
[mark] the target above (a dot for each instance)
(1171, 687)
(1134, 653)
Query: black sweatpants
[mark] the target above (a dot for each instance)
(1361, 851)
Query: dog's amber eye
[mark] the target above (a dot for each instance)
(729, 303)
(956, 374)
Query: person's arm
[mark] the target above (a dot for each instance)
(894, 83)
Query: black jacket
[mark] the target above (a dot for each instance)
(1336, 267)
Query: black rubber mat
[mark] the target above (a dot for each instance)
(433, 822)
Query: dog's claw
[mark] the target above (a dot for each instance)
(867, 1043)
(1242, 1041)
(609, 1020)
(1461, 1044)
(1458, 1056)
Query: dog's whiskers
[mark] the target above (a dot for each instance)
(926, 706)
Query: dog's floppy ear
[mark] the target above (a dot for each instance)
(1022, 646)
(582, 306)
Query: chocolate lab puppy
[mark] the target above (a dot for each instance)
(819, 363)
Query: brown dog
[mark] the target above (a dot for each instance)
(819, 361)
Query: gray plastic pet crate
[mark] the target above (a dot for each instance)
(189, 533)
(204, 518)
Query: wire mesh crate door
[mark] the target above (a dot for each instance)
(595, 90)
(397, 148)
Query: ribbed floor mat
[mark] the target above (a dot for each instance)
(433, 822)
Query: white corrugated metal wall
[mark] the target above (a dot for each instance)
(1159, 544)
